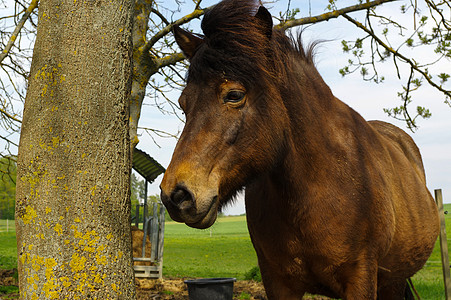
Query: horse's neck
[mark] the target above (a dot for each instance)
(310, 105)
(316, 117)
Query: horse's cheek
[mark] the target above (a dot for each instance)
(231, 133)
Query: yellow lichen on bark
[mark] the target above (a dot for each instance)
(30, 215)
(58, 229)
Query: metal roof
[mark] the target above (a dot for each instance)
(146, 166)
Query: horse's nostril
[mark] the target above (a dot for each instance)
(182, 198)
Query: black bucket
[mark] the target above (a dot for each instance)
(210, 288)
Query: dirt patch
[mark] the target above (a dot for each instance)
(175, 289)
(8, 277)
(8, 284)
(164, 289)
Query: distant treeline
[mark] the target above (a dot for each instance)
(7, 187)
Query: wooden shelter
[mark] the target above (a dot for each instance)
(152, 219)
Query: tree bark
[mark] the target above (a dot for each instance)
(73, 187)
(144, 65)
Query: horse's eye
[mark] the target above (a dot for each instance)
(234, 96)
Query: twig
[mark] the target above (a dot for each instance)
(412, 64)
(410, 122)
(195, 14)
(329, 15)
(169, 60)
(160, 16)
(16, 31)
(9, 141)
(159, 133)
(6, 114)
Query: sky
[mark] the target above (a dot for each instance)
(433, 136)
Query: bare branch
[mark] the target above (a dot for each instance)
(160, 16)
(9, 141)
(432, 6)
(198, 3)
(195, 14)
(159, 133)
(16, 31)
(170, 60)
(330, 15)
(6, 114)
(406, 98)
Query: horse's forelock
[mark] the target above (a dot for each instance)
(233, 43)
(229, 16)
(236, 46)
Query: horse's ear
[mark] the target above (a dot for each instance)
(187, 41)
(265, 17)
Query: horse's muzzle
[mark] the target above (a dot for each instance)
(182, 198)
(183, 207)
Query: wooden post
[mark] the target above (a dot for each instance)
(161, 240)
(443, 245)
(154, 232)
(137, 216)
(145, 220)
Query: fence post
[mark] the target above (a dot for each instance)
(154, 234)
(137, 216)
(161, 240)
(443, 245)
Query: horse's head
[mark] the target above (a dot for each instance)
(234, 117)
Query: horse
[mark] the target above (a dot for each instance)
(335, 205)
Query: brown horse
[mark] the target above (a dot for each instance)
(335, 205)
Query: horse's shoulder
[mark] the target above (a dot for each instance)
(402, 140)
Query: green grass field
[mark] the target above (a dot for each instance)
(8, 254)
(225, 250)
(7, 226)
(429, 281)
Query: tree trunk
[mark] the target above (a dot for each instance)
(73, 186)
(144, 65)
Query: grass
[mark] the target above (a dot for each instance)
(8, 260)
(7, 226)
(9, 292)
(8, 253)
(429, 283)
(225, 250)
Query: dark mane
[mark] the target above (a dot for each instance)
(236, 46)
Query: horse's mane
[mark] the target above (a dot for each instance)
(236, 46)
